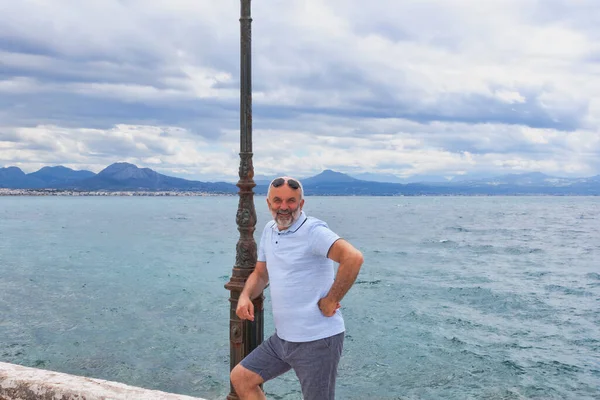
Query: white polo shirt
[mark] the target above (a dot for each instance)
(300, 274)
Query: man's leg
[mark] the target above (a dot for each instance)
(246, 383)
(315, 364)
(262, 364)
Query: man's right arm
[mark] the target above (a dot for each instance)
(255, 284)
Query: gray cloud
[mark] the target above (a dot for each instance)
(511, 80)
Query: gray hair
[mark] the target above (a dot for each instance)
(286, 179)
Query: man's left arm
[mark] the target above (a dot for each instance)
(350, 260)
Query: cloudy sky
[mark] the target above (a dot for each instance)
(410, 88)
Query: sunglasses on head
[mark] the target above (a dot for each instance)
(291, 183)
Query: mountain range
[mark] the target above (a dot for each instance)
(115, 177)
(128, 177)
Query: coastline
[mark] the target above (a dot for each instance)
(4, 192)
(57, 192)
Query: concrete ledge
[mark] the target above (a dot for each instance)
(23, 383)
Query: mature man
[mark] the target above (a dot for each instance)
(296, 255)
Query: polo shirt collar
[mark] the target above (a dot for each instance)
(295, 226)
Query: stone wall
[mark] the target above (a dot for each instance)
(23, 383)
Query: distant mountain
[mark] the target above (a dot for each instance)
(526, 179)
(53, 176)
(329, 176)
(587, 186)
(262, 179)
(390, 178)
(14, 178)
(11, 173)
(128, 177)
(335, 183)
(266, 179)
(118, 176)
(331, 182)
(47, 177)
(369, 176)
(125, 176)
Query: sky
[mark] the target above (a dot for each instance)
(415, 89)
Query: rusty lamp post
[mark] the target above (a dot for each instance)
(244, 336)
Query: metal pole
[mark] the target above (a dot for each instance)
(244, 336)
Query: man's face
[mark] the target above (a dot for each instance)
(285, 205)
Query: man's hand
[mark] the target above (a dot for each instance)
(245, 308)
(328, 307)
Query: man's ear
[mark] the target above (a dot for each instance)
(302, 203)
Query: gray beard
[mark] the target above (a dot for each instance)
(288, 222)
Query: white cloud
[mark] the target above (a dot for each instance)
(510, 96)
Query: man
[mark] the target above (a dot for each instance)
(296, 255)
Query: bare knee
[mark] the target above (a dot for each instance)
(245, 382)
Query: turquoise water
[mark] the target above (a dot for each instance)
(459, 297)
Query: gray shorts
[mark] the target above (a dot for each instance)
(315, 363)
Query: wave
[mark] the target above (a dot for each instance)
(458, 229)
(558, 367)
(514, 367)
(520, 250)
(591, 344)
(593, 275)
(444, 242)
(568, 290)
(463, 323)
(375, 282)
(457, 342)
(537, 274)
(482, 248)
(497, 302)
(490, 249)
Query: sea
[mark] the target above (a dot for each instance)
(458, 298)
